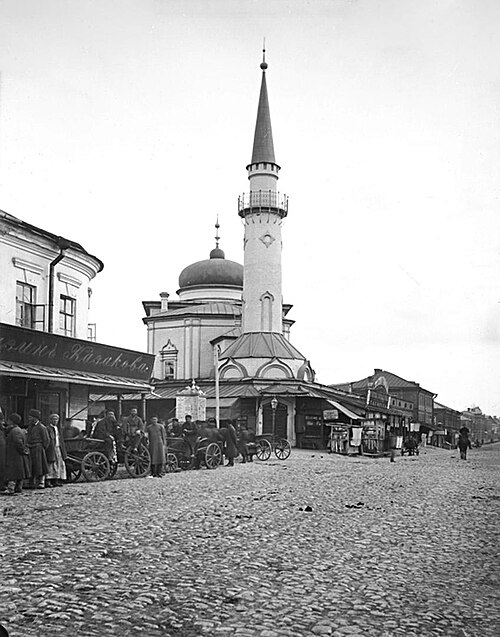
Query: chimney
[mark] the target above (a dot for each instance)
(164, 301)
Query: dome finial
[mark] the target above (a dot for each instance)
(217, 238)
(263, 64)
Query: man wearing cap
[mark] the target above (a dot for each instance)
(16, 455)
(38, 442)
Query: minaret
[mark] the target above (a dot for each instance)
(263, 210)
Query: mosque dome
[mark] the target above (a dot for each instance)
(215, 271)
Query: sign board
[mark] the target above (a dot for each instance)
(331, 414)
(20, 345)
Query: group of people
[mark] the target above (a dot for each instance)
(157, 434)
(32, 454)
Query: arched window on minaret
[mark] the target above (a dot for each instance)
(266, 312)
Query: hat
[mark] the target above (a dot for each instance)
(35, 413)
(15, 418)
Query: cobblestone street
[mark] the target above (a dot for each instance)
(316, 545)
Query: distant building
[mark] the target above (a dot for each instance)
(448, 423)
(406, 392)
(483, 428)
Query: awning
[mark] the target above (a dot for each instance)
(18, 370)
(344, 410)
(223, 402)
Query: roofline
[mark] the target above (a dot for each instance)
(58, 240)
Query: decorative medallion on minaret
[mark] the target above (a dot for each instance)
(262, 351)
(263, 210)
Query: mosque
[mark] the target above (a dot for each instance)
(228, 331)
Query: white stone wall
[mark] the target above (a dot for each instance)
(191, 336)
(26, 257)
(262, 300)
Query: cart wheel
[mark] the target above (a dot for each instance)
(171, 464)
(263, 449)
(282, 449)
(213, 456)
(137, 462)
(95, 467)
(73, 471)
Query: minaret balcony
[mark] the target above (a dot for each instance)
(258, 201)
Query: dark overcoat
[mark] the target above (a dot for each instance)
(230, 442)
(51, 449)
(157, 441)
(2, 454)
(16, 455)
(38, 441)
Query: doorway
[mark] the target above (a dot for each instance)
(281, 420)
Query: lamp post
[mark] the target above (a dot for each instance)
(274, 405)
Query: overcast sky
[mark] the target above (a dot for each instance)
(126, 125)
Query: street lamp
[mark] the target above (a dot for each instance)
(274, 405)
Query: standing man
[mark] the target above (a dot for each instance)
(190, 432)
(3, 484)
(56, 454)
(16, 455)
(157, 445)
(38, 442)
(231, 444)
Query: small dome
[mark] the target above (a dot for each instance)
(212, 272)
(217, 253)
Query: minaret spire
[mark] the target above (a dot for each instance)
(263, 210)
(263, 147)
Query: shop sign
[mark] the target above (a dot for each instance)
(20, 345)
(331, 414)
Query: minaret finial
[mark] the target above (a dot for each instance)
(263, 64)
(217, 238)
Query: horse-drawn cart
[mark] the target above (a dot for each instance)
(184, 454)
(266, 444)
(98, 460)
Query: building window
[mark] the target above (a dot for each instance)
(25, 305)
(92, 332)
(170, 369)
(67, 316)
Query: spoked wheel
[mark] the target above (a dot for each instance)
(282, 449)
(95, 467)
(263, 449)
(213, 456)
(73, 471)
(137, 461)
(171, 464)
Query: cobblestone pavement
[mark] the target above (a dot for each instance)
(315, 545)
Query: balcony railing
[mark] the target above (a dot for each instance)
(263, 201)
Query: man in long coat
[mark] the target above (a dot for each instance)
(38, 442)
(231, 444)
(157, 438)
(16, 455)
(56, 454)
(3, 484)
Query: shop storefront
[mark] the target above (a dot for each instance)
(56, 374)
